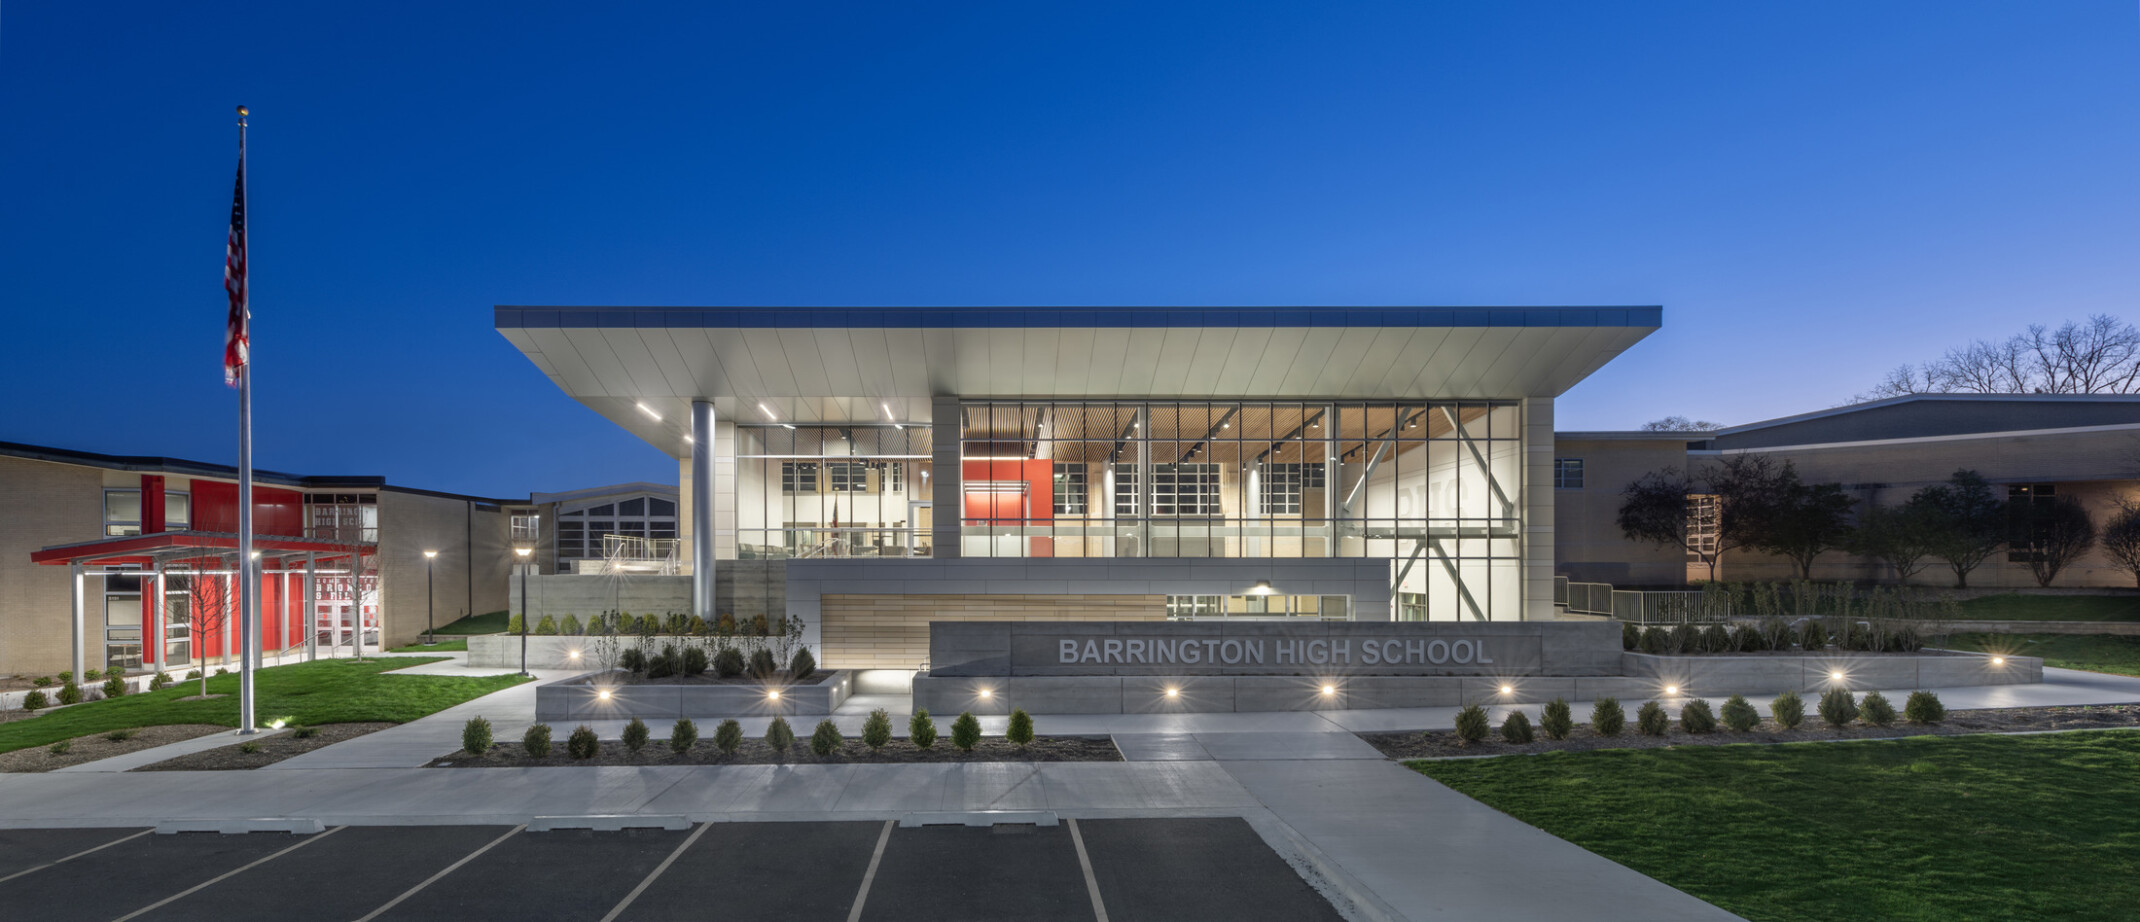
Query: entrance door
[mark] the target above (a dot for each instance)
(921, 517)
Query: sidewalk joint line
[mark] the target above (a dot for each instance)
(412, 891)
(196, 888)
(76, 855)
(1084, 863)
(663, 866)
(876, 857)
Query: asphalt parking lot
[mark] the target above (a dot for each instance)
(1122, 869)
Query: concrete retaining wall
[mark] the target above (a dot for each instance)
(581, 699)
(1757, 674)
(554, 651)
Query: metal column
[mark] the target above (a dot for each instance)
(81, 607)
(702, 585)
(312, 608)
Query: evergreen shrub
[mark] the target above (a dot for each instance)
(728, 737)
(802, 664)
(1788, 709)
(475, 736)
(635, 735)
(966, 731)
(546, 627)
(826, 740)
(728, 662)
(1837, 707)
(632, 659)
(1556, 721)
(537, 741)
(1695, 717)
(1877, 710)
(70, 693)
(60, 748)
(1739, 714)
(1651, 720)
(1607, 718)
(1516, 727)
(683, 736)
(1923, 707)
(583, 744)
(571, 625)
(512, 624)
(664, 663)
(1715, 639)
(116, 686)
(35, 701)
(696, 662)
(1630, 635)
(779, 735)
(921, 731)
(762, 664)
(877, 730)
(43, 681)
(1653, 640)
(161, 681)
(1471, 725)
(1020, 731)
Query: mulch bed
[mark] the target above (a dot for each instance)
(1439, 744)
(273, 749)
(99, 746)
(623, 677)
(756, 752)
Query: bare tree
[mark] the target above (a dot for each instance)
(1748, 489)
(1969, 521)
(1680, 424)
(1901, 537)
(2100, 356)
(2121, 538)
(2060, 534)
(208, 603)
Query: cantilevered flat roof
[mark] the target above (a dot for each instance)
(641, 367)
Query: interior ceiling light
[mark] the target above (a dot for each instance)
(650, 413)
(787, 426)
(768, 411)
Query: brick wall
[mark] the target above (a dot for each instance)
(42, 504)
(892, 631)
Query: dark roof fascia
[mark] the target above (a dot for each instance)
(516, 317)
(153, 464)
(1916, 398)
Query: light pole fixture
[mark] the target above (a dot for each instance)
(523, 552)
(430, 600)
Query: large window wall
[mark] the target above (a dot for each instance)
(1435, 487)
(832, 491)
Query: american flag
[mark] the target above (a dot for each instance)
(237, 339)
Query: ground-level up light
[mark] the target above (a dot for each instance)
(1836, 675)
(1508, 689)
(603, 694)
(1671, 689)
(1329, 689)
(1173, 692)
(575, 654)
(773, 695)
(986, 693)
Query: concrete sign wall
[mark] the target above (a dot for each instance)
(1189, 648)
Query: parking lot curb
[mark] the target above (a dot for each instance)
(303, 826)
(979, 818)
(609, 822)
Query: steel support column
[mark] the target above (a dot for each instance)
(702, 585)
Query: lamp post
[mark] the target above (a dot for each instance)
(523, 552)
(430, 600)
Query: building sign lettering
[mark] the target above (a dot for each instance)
(1256, 651)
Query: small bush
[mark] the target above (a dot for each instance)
(1651, 720)
(249, 748)
(1745, 639)
(665, 663)
(66, 677)
(1471, 725)
(1606, 717)
(1739, 714)
(304, 733)
(475, 736)
(728, 663)
(35, 701)
(1788, 709)
(683, 736)
(547, 626)
(161, 681)
(93, 675)
(512, 624)
(635, 735)
(120, 736)
(762, 664)
(43, 681)
(1812, 637)
(1653, 640)
(826, 739)
(676, 623)
(802, 664)
(1837, 707)
(966, 731)
(1021, 728)
(1877, 710)
(921, 731)
(70, 693)
(1630, 635)
(116, 687)
(537, 741)
(779, 735)
(60, 748)
(583, 744)
(632, 659)
(221, 671)
(1695, 717)
(1923, 707)
(696, 662)
(1682, 638)
(193, 675)
(877, 730)
(1556, 721)
(1516, 727)
(728, 737)
(571, 625)
(1715, 639)
(697, 626)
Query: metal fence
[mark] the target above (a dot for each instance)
(1639, 606)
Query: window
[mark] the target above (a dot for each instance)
(892, 475)
(1702, 516)
(527, 528)
(1282, 486)
(342, 516)
(798, 476)
(581, 532)
(122, 512)
(2027, 504)
(1070, 493)
(1125, 476)
(1567, 473)
(1185, 488)
(847, 476)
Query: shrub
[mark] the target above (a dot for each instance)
(1651, 720)
(1471, 725)
(826, 739)
(1555, 721)
(93, 675)
(249, 748)
(1812, 637)
(120, 736)
(475, 736)
(1739, 714)
(697, 626)
(728, 663)
(1715, 639)
(116, 687)
(1021, 728)
(66, 677)
(1630, 635)
(1923, 707)
(70, 693)
(161, 681)
(1788, 709)
(762, 664)
(1837, 707)
(728, 736)
(779, 735)
(665, 663)
(802, 664)
(193, 675)
(696, 662)
(1682, 638)
(966, 731)
(1745, 639)
(635, 735)
(547, 626)
(1653, 640)
(1695, 717)
(221, 671)
(60, 748)
(1606, 717)
(597, 625)
(683, 736)
(43, 681)
(1516, 727)
(583, 744)
(676, 623)
(921, 731)
(304, 733)
(537, 741)
(632, 659)
(35, 701)
(877, 730)
(512, 625)
(571, 625)
(759, 626)
(1877, 710)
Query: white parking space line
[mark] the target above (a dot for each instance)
(1084, 862)
(196, 888)
(76, 855)
(862, 895)
(665, 862)
(412, 891)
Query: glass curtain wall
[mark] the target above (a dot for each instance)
(1435, 487)
(832, 491)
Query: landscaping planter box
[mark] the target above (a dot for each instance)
(1751, 674)
(555, 651)
(581, 698)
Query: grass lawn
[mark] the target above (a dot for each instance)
(2014, 606)
(1927, 828)
(489, 623)
(2093, 652)
(445, 645)
(322, 692)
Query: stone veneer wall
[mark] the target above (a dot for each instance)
(880, 631)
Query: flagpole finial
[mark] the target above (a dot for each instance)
(243, 112)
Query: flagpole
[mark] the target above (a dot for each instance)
(248, 568)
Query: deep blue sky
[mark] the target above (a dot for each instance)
(1815, 192)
